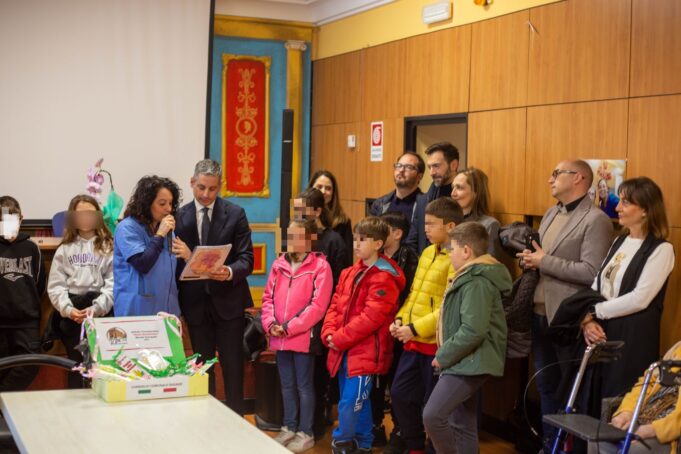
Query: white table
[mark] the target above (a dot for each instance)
(78, 421)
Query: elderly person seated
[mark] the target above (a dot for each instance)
(659, 422)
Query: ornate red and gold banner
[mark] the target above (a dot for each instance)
(245, 125)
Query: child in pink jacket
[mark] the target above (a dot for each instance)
(296, 297)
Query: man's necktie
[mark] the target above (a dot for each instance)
(205, 226)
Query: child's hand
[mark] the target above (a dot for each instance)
(393, 327)
(77, 315)
(276, 331)
(436, 364)
(329, 340)
(404, 334)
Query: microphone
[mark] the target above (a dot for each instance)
(170, 236)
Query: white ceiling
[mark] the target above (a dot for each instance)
(314, 11)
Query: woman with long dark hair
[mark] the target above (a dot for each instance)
(633, 281)
(325, 181)
(144, 250)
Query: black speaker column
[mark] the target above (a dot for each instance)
(286, 167)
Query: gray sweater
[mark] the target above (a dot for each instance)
(78, 268)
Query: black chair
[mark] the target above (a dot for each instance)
(6, 440)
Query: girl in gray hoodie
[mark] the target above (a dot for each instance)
(81, 276)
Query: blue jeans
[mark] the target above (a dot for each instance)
(545, 353)
(296, 372)
(354, 408)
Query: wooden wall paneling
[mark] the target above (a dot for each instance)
(336, 89)
(330, 152)
(655, 147)
(354, 209)
(436, 72)
(382, 70)
(376, 178)
(655, 47)
(671, 315)
(569, 131)
(508, 218)
(321, 91)
(499, 56)
(579, 52)
(496, 145)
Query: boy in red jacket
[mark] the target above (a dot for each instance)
(356, 330)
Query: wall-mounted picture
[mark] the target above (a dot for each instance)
(608, 174)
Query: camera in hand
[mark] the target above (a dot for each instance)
(534, 236)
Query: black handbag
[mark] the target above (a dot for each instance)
(514, 237)
(255, 340)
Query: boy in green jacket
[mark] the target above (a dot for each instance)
(471, 337)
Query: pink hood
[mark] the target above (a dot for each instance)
(297, 301)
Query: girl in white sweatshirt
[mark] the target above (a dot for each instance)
(81, 276)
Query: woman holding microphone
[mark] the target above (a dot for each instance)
(146, 251)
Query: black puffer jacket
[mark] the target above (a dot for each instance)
(407, 260)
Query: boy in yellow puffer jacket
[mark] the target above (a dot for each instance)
(416, 322)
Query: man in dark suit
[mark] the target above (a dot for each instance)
(214, 308)
(442, 160)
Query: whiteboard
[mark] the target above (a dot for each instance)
(123, 80)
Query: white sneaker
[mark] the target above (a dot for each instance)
(284, 436)
(302, 442)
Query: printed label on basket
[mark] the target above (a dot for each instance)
(132, 334)
(177, 386)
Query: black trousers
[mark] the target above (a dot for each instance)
(18, 341)
(225, 337)
(413, 383)
(378, 392)
(71, 338)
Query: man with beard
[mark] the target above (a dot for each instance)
(443, 162)
(409, 170)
